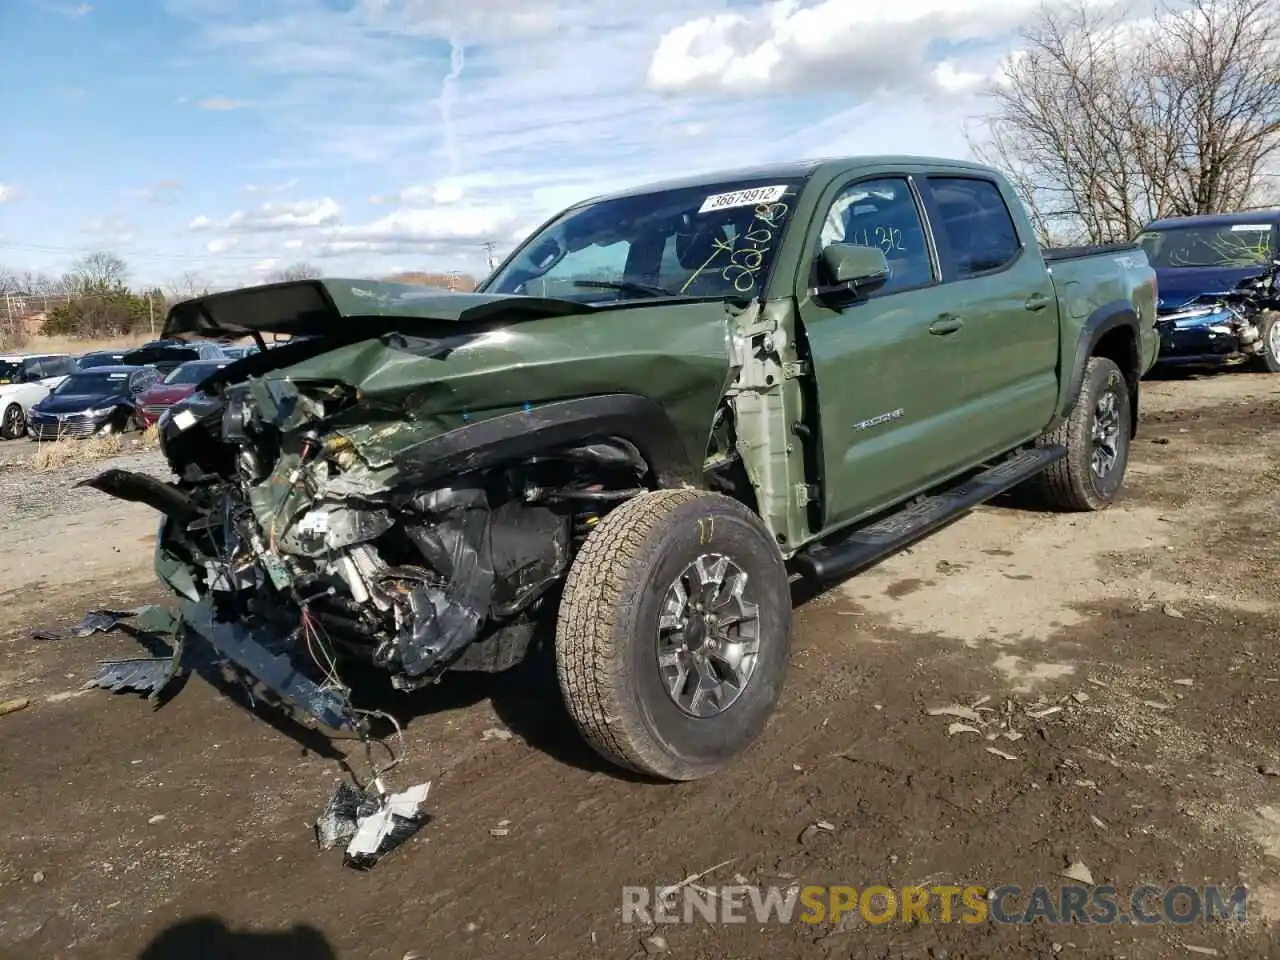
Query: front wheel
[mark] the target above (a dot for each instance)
(1268, 358)
(674, 633)
(13, 423)
(1097, 434)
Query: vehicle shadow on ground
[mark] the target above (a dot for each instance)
(209, 938)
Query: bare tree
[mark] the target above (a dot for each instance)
(97, 272)
(188, 286)
(295, 271)
(1104, 122)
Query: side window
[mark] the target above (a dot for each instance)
(60, 366)
(976, 223)
(37, 369)
(882, 214)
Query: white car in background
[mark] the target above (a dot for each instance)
(25, 380)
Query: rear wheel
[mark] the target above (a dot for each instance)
(13, 423)
(674, 633)
(1097, 434)
(1268, 359)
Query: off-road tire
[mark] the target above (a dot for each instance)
(13, 422)
(1071, 484)
(606, 635)
(1268, 360)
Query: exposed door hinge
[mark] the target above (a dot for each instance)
(794, 369)
(806, 493)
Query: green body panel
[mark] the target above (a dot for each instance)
(675, 354)
(839, 411)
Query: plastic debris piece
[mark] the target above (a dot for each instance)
(338, 820)
(13, 706)
(957, 711)
(1185, 682)
(961, 728)
(496, 733)
(145, 675)
(394, 820)
(1046, 712)
(1171, 611)
(655, 944)
(1001, 754)
(1079, 873)
(94, 621)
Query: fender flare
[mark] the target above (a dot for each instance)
(1112, 316)
(516, 436)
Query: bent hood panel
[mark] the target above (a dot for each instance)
(676, 355)
(1178, 285)
(331, 307)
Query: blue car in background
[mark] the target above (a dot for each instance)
(1217, 277)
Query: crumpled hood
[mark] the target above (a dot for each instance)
(340, 307)
(409, 388)
(1179, 285)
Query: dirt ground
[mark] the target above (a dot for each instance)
(132, 831)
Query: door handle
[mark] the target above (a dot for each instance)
(945, 324)
(1037, 301)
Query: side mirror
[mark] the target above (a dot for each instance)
(859, 268)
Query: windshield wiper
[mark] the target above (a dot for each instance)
(625, 286)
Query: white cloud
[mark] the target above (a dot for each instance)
(7, 192)
(275, 216)
(790, 45)
(222, 244)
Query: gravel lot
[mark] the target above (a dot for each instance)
(137, 831)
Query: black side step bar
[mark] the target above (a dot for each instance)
(838, 558)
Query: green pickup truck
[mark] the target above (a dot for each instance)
(663, 406)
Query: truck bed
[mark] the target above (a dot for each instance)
(1058, 254)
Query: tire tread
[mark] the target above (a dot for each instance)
(600, 589)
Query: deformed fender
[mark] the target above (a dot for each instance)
(1112, 316)
(163, 497)
(525, 433)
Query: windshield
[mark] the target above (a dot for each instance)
(1230, 245)
(193, 373)
(93, 383)
(99, 360)
(715, 240)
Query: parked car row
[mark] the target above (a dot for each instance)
(55, 396)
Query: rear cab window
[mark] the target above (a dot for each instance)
(974, 230)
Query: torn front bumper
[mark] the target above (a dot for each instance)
(268, 659)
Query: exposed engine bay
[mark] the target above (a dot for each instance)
(293, 523)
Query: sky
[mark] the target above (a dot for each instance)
(233, 137)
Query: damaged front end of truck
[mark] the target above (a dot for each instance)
(405, 483)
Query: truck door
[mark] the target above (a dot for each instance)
(888, 366)
(997, 283)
